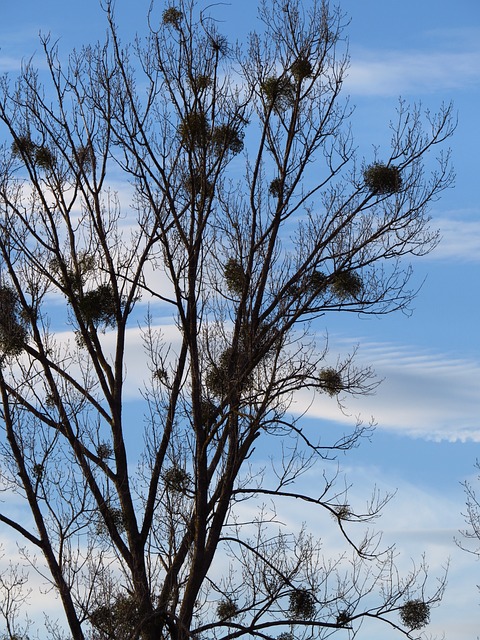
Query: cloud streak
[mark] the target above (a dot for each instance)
(393, 73)
(423, 394)
(460, 239)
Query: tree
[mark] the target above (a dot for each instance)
(472, 518)
(250, 216)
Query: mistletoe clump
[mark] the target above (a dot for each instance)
(219, 375)
(73, 274)
(172, 16)
(276, 187)
(115, 619)
(302, 68)
(219, 44)
(331, 381)
(346, 284)
(343, 618)
(234, 275)
(383, 179)
(23, 147)
(226, 137)
(278, 92)
(200, 82)
(415, 614)
(38, 470)
(44, 158)
(115, 515)
(177, 479)
(302, 604)
(194, 130)
(85, 157)
(99, 306)
(104, 451)
(209, 412)
(197, 185)
(315, 282)
(13, 330)
(234, 367)
(227, 609)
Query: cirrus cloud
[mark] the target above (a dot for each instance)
(393, 73)
(423, 393)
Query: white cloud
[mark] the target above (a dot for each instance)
(10, 63)
(460, 239)
(393, 73)
(423, 394)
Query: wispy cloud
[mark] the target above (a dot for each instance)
(460, 239)
(391, 73)
(423, 394)
(10, 63)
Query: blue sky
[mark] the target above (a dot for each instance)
(428, 407)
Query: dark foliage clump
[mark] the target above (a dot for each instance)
(343, 618)
(104, 450)
(50, 401)
(279, 93)
(315, 282)
(220, 44)
(226, 137)
(201, 82)
(23, 147)
(415, 614)
(40, 155)
(383, 179)
(209, 412)
(276, 187)
(197, 185)
(85, 158)
(13, 330)
(161, 374)
(194, 130)
(116, 619)
(234, 275)
(172, 16)
(330, 381)
(99, 306)
(44, 158)
(115, 515)
(302, 68)
(70, 276)
(227, 609)
(177, 479)
(38, 470)
(302, 604)
(346, 284)
(221, 374)
(233, 369)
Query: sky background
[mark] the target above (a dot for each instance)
(427, 409)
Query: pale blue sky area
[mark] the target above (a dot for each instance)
(428, 408)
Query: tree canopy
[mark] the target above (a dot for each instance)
(245, 214)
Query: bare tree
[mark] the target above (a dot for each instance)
(248, 217)
(472, 518)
